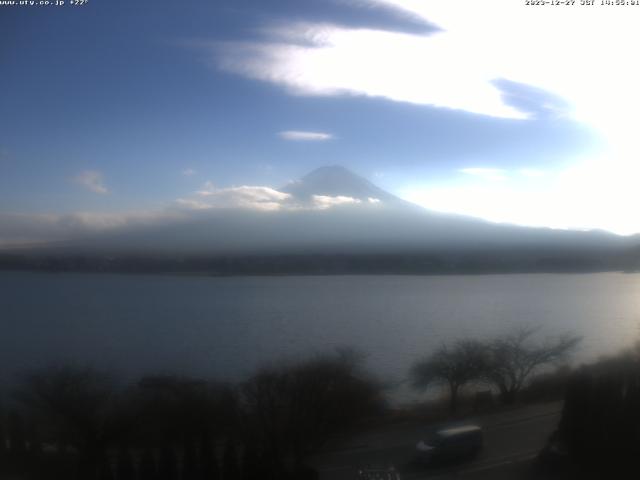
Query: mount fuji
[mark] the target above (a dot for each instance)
(329, 221)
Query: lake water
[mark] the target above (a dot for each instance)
(226, 327)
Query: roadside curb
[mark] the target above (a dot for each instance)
(491, 426)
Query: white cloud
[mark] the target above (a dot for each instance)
(323, 202)
(245, 196)
(491, 174)
(599, 83)
(299, 135)
(91, 180)
(593, 194)
(193, 204)
(456, 67)
(494, 202)
(188, 172)
(323, 59)
(531, 172)
(261, 198)
(24, 229)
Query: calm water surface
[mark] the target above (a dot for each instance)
(225, 327)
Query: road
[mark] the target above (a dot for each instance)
(512, 438)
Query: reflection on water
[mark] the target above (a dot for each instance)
(224, 327)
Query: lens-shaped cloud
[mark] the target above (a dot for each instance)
(304, 136)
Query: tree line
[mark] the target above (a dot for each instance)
(78, 423)
(442, 261)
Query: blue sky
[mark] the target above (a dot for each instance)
(120, 108)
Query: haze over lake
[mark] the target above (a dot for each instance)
(225, 327)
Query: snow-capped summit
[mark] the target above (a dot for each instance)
(337, 181)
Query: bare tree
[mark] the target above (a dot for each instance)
(453, 366)
(513, 358)
(292, 409)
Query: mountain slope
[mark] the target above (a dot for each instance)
(338, 181)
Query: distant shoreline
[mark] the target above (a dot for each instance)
(313, 274)
(452, 262)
